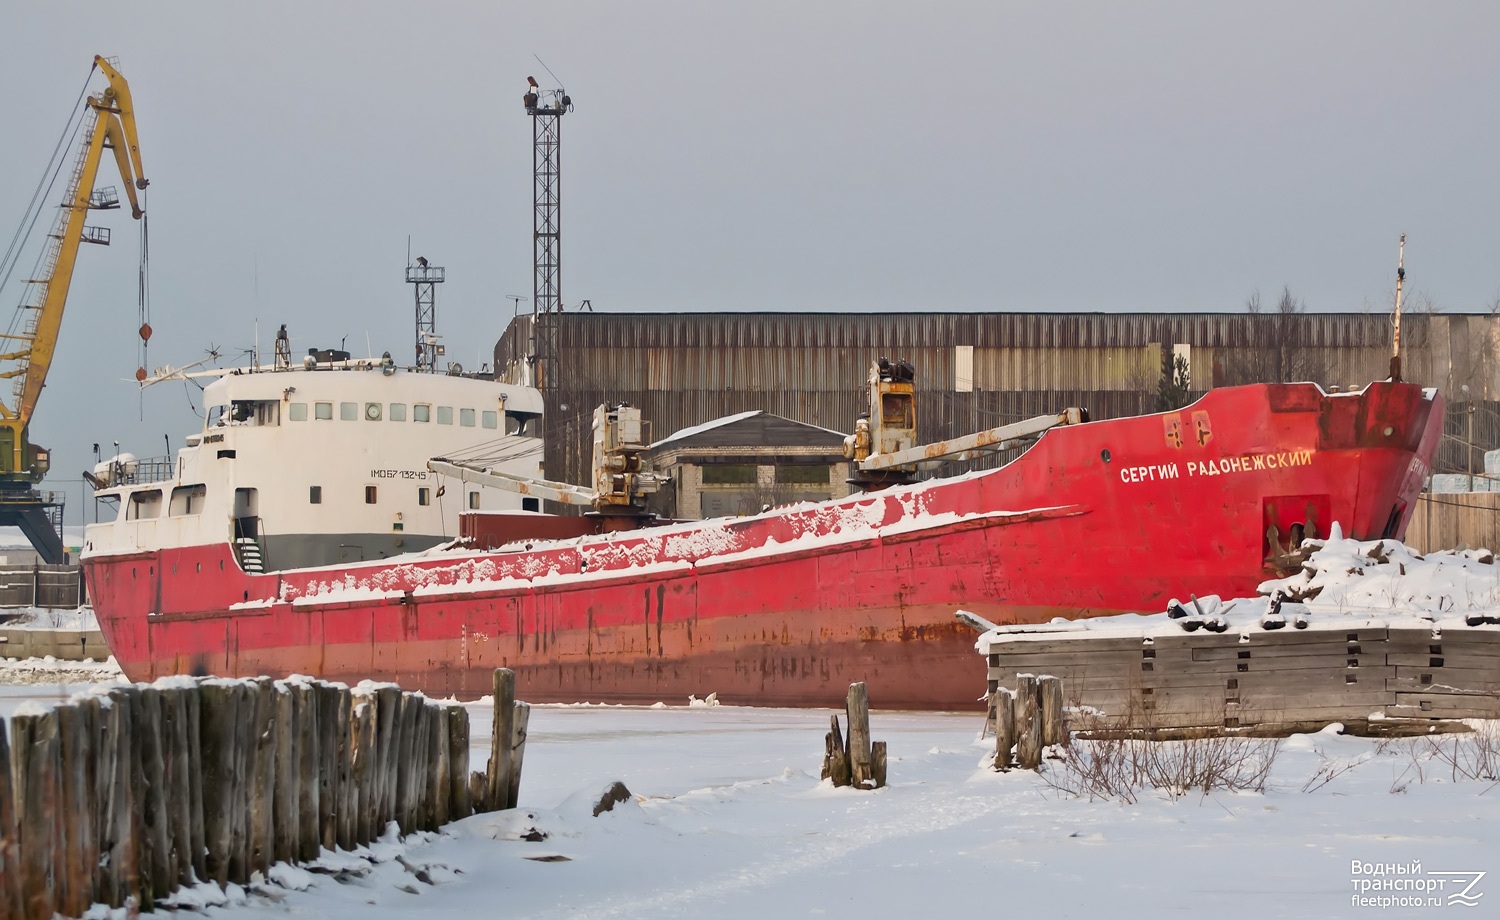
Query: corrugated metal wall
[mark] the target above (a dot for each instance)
(688, 368)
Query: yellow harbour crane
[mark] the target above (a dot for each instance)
(31, 342)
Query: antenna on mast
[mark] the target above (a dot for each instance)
(1396, 318)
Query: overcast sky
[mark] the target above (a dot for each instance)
(748, 156)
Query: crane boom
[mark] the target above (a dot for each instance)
(563, 492)
(110, 122)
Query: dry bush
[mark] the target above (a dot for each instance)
(1470, 756)
(1123, 767)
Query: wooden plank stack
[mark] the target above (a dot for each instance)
(120, 797)
(1270, 681)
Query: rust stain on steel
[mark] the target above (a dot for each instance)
(1173, 431)
(1203, 428)
(647, 620)
(661, 601)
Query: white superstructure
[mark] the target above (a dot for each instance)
(321, 464)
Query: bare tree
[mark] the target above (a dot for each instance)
(1276, 351)
(1290, 359)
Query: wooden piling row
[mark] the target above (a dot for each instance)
(1027, 720)
(128, 794)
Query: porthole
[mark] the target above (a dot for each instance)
(1104, 455)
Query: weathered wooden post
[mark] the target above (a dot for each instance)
(386, 742)
(130, 844)
(1004, 704)
(1054, 728)
(10, 846)
(1028, 723)
(328, 763)
(441, 772)
(363, 763)
(835, 755)
(286, 796)
(193, 705)
(479, 791)
(502, 740)
(81, 783)
(116, 867)
(37, 782)
(459, 806)
(347, 796)
(859, 734)
(518, 752)
(309, 800)
(218, 731)
(242, 844)
(263, 777)
(74, 894)
(176, 766)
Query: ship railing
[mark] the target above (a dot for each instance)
(139, 472)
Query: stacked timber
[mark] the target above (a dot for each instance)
(1269, 681)
(123, 795)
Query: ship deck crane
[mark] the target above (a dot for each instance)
(620, 489)
(884, 445)
(108, 122)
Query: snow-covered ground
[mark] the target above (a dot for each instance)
(729, 819)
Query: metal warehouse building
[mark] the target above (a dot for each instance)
(973, 371)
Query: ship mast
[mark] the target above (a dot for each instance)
(1396, 318)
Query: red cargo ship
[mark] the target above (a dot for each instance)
(787, 607)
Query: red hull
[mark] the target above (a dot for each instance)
(787, 608)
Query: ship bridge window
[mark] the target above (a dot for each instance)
(216, 416)
(348, 411)
(489, 418)
(521, 423)
(323, 410)
(372, 412)
(398, 412)
(255, 412)
(421, 413)
(445, 415)
(297, 412)
(466, 418)
(187, 500)
(144, 505)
